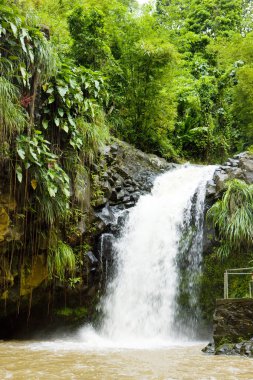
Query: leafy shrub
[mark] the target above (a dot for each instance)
(233, 218)
(61, 259)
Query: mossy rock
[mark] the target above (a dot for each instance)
(4, 223)
(72, 315)
(34, 277)
(8, 202)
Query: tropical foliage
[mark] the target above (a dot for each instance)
(233, 217)
(60, 258)
(174, 80)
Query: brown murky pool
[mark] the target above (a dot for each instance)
(70, 360)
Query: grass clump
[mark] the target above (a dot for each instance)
(61, 259)
(233, 218)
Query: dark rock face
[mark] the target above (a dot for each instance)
(233, 320)
(124, 173)
(233, 328)
(240, 167)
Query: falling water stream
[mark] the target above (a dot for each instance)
(140, 304)
(139, 338)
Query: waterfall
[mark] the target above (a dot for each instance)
(140, 302)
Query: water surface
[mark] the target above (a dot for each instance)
(70, 360)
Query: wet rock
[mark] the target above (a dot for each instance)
(220, 178)
(240, 167)
(114, 148)
(241, 155)
(117, 196)
(225, 349)
(100, 201)
(121, 195)
(209, 349)
(130, 189)
(118, 185)
(106, 246)
(123, 172)
(114, 196)
(91, 257)
(244, 348)
(107, 189)
(128, 182)
(105, 176)
(246, 164)
(126, 199)
(100, 225)
(134, 197)
(233, 162)
(211, 188)
(130, 204)
(106, 215)
(105, 150)
(237, 348)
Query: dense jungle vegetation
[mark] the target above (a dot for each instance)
(174, 79)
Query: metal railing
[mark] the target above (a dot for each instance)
(238, 272)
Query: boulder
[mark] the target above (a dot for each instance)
(33, 278)
(240, 167)
(246, 164)
(209, 349)
(233, 320)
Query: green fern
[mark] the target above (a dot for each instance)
(12, 117)
(93, 135)
(60, 259)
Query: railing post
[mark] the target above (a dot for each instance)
(225, 284)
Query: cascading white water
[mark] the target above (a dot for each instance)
(140, 301)
(140, 305)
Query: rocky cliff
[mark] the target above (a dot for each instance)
(240, 167)
(28, 295)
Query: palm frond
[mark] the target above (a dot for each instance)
(233, 217)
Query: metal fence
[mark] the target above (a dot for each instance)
(237, 272)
